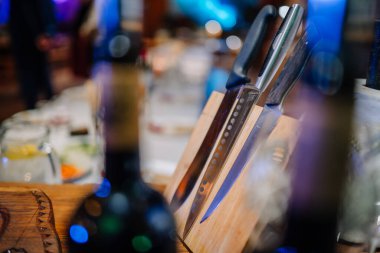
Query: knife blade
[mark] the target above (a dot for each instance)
(271, 112)
(235, 90)
(242, 108)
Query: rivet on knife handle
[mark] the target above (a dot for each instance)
(270, 114)
(276, 54)
(240, 67)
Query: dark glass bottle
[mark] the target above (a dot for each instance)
(124, 214)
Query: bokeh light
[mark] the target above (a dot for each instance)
(78, 234)
(4, 11)
(119, 203)
(4, 160)
(110, 225)
(104, 189)
(213, 27)
(119, 46)
(286, 250)
(159, 219)
(93, 207)
(283, 10)
(141, 243)
(320, 13)
(202, 11)
(234, 42)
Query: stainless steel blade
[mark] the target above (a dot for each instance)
(191, 176)
(276, 54)
(235, 84)
(288, 77)
(263, 127)
(231, 130)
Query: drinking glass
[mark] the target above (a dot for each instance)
(26, 155)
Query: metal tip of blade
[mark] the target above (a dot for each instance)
(205, 217)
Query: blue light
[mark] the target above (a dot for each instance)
(4, 11)
(4, 160)
(108, 20)
(159, 219)
(204, 10)
(286, 250)
(104, 189)
(216, 80)
(328, 17)
(119, 203)
(78, 234)
(227, 17)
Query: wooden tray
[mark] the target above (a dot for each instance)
(229, 228)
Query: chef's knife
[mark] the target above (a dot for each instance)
(236, 90)
(271, 112)
(242, 107)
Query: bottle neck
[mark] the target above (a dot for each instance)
(122, 168)
(121, 113)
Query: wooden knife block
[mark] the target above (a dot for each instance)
(230, 226)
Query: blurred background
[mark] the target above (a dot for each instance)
(213, 30)
(189, 48)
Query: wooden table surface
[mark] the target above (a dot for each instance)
(65, 200)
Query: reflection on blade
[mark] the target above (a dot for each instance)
(272, 110)
(188, 181)
(235, 87)
(264, 125)
(275, 56)
(225, 144)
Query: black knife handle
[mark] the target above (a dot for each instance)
(294, 66)
(251, 46)
(373, 78)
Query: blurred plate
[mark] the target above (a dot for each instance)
(29, 116)
(70, 173)
(77, 162)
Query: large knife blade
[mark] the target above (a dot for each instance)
(242, 107)
(271, 112)
(235, 90)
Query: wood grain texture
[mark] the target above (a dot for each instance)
(194, 144)
(65, 200)
(27, 221)
(202, 152)
(229, 227)
(230, 132)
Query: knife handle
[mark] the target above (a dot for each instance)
(280, 45)
(251, 46)
(373, 77)
(294, 66)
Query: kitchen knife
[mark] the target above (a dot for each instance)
(373, 78)
(236, 90)
(232, 128)
(271, 112)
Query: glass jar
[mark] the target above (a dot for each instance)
(26, 155)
